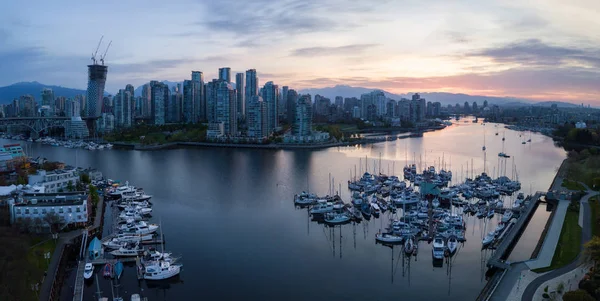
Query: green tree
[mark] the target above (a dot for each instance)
(85, 178)
(592, 249)
(578, 295)
(94, 195)
(70, 186)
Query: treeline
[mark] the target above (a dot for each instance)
(159, 134)
(570, 134)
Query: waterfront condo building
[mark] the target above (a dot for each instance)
(70, 207)
(226, 107)
(256, 118)
(55, 181)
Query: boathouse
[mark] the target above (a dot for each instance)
(95, 249)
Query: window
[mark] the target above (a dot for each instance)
(18, 211)
(35, 211)
(79, 217)
(78, 209)
(84, 208)
(44, 211)
(69, 210)
(52, 210)
(26, 211)
(60, 210)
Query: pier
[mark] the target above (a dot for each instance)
(512, 234)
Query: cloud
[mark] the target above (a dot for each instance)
(533, 52)
(328, 51)
(457, 37)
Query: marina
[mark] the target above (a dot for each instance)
(193, 196)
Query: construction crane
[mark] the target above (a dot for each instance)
(96, 52)
(104, 55)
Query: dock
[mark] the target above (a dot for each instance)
(497, 260)
(78, 293)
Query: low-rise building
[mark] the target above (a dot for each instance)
(56, 180)
(70, 207)
(215, 130)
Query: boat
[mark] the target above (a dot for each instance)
(161, 270)
(136, 297)
(139, 228)
(499, 229)
(119, 191)
(490, 213)
(114, 243)
(435, 203)
(388, 238)
(107, 271)
(356, 213)
(336, 218)
(118, 269)
(488, 239)
(452, 244)
(409, 246)
(375, 209)
(305, 198)
(366, 210)
(88, 271)
(438, 247)
(507, 216)
(322, 208)
(128, 251)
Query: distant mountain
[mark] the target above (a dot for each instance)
(442, 97)
(8, 93)
(560, 104)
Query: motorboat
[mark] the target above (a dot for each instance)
(128, 251)
(388, 238)
(107, 271)
(115, 243)
(133, 237)
(119, 191)
(490, 213)
(409, 246)
(452, 244)
(336, 218)
(435, 203)
(438, 248)
(305, 198)
(375, 209)
(499, 228)
(161, 270)
(118, 269)
(488, 239)
(139, 228)
(136, 297)
(88, 271)
(507, 216)
(366, 210)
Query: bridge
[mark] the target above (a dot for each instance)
(39, 124)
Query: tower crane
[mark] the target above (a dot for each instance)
(104, 55)
(96, 52)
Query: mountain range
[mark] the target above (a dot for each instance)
(8, 93)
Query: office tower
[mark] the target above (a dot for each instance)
(225, 74)
(159, 96)
(339, 101)
(198, 108)
(59, 105)
(146, 103)
(251, 87)
(303, 122)
(72, 108)
(173, 108)
(122, 108)
(240, 87)
(131, 90)
(211, 100)
(291, 99)
(47, 97)
(322, 105)
(256, 118)
(95, 89)
(283, 100)
(226, 107)
(27, 106)
(271, 96)
(188, 101)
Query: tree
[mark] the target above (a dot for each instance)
(53, 220)
(592, 249)
(94, 195)
(85, 178)
(578, 295)
(70, 186)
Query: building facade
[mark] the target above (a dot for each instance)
(271, 97)
(70, 207)
(226, 107)
(95, 89)
(251, 87)
(256, 118)
(240, 92)
(160, 96)
(56, 180)
(225, 74)
(303, 122)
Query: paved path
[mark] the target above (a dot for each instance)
(586, 235)
(570, 281)
(545, 255)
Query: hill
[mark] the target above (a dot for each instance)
(8, 93)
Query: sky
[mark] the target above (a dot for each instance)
(536, 49)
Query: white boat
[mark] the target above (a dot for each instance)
(488, 239)
(438, 248)
(452, 244)
(119, 191)
(133, 237)
(322, 208)
(305, 199)
(161, 270)
(409, 246)
(388, 238)
(128, 251)
(336, 218)
(115, 243)
(435, 203)
(490, 213)
(499, 229)
(88, 271)
(136, 297)
(139, 228)
(507, 216)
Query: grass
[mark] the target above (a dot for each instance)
(572, 185)
(569, 243)
(595, 206)
(584, 168)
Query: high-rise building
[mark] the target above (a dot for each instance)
(199, 106)
(72, 108)
(47, 97)
(81, 100)
(188, 101)
(122, 108)
(390, 108)
(339, 101)
(210, 90)
(322, 105)
(131, 90)
(474, 107)
(251, 88)
(303, 122)
(271, 97)
(225, 74)
(466, 107)
(256, 118)
(159, 96)
(27, 106)
(226, 107)
(59, 105)
(95, 89)
(283, 101)
(146, 103)
(350, 103)
(173, 109)
(291, 99)
(240, 88)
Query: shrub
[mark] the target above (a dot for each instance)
(578, 295)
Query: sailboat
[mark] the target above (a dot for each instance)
(529, 140)
(483, 148)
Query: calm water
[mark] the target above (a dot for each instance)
(229, 214)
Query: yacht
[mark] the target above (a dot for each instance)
(499, 229)
(119, 191)
(133, 237)
(488, 239)
(452, 244)
(305, 199)
(435, 203)
(161, 270)
(507, 216)
(336, 218)
(388, 238)
(88, 271)
(114, 243)
(139, 228)
(409, 246)
(438, 248)
(128, 251)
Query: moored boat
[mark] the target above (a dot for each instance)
(88, 271)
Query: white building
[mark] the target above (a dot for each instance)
(70, 207)
(580, 125)
(215, 130)
(54, 181)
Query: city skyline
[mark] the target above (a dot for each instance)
(540, 51)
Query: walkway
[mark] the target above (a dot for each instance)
(586, 235)
(545, 255)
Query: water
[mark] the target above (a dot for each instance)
(229, 214)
